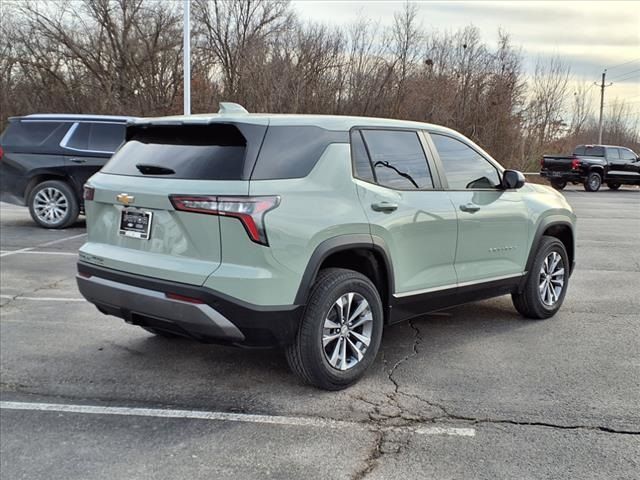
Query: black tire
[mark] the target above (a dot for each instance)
(593, 182)
(66, 193)
(613, 186)
(558, 184)
(306, 356)
(160, 333)
(529, 302)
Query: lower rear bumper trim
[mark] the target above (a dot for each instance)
(134, 302)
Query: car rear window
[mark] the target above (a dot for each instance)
(195, 152)
(588, 151)
(29, 133)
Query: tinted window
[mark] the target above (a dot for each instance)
(627, 154)
(463, 166)
(361, 164)
(398, 159)
(31, 133)
(292, 152)
(579, 150)
(612, 154)
(594, 151)
(205, 152)
(97, 137)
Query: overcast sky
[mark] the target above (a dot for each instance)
(588, 36)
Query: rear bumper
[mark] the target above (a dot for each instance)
(568, 176)
(12, 188)
(203, 314)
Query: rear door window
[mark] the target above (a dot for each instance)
(612, 154)
(96, 137)
(361, 164)
(398, 160)
(196, 152)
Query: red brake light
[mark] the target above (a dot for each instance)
(575, 163)
(88, 192)
(249, 210)
(182, 298)
(1, 153)
(542, 162)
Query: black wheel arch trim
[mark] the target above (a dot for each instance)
(544, 225)
(341, 243)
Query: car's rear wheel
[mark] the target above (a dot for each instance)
(593, 182)
(558, 184)
(52, 204)
(613, 186)
(340, 332)
(546, 283)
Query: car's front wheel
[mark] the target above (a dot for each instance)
(52, 204)
(593, 182)
(340, 332)
(546, 283)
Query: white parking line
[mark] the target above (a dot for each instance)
(74, 254)
(43, 299)
(222, 416)
(53, 242)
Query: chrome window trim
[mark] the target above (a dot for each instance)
(456, 285)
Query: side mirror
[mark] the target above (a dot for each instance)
(512, 179)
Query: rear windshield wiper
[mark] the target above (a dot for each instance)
(146, 169)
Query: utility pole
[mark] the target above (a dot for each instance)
(186, 51)
(602, 87)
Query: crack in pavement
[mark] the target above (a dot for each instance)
(49, 286)
(390, 414)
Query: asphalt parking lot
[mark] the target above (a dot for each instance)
(473, 392)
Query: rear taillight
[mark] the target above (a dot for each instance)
(249, 210)
(542, 162)
(1, 153)
(575, 164)
(88, 192)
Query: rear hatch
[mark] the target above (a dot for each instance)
(132, 222)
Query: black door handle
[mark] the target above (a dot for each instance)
(78, 160)
(470, 208)
(384, 206)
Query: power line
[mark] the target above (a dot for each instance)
(622, 64)
(624, 75)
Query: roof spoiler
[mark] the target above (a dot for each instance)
(230, 108)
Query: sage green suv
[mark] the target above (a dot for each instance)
(313, 233)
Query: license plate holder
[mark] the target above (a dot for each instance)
(135, 223)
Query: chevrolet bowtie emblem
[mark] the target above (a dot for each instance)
(125, 199)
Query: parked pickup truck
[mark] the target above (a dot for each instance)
(592, 165)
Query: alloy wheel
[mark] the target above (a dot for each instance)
(551, 280)
(50, 205)
(347, 331)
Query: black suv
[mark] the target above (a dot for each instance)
(45, 159)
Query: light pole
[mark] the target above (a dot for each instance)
(186, 51)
